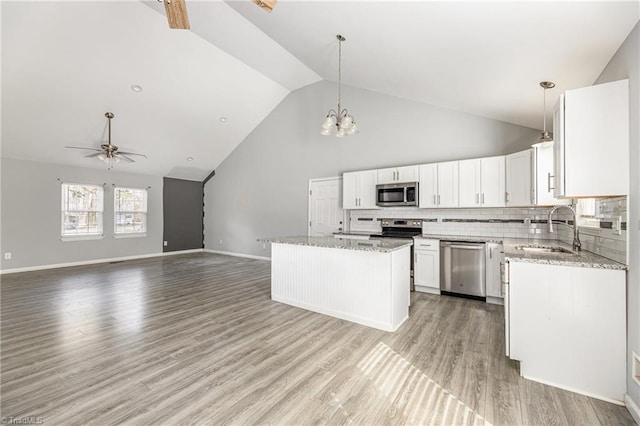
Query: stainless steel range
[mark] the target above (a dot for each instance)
(403, 229)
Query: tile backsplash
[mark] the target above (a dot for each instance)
(526, 223)
(610, 238)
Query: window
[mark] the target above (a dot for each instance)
(130, 211)
(586, 209)
(82, 207)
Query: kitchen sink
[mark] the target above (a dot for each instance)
(544, 249)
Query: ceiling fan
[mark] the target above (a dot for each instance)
(177, 11)
(107, 151)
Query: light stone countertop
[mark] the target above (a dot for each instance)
(385, 245)
(583, 259)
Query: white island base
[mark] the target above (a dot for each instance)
(367, 287)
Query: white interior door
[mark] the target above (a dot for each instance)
(325, 211)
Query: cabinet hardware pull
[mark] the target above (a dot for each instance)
(549, 187)
(506, 197)
(438, 199)
(483, 198)
(490, 252)
(434, 201)
(477, 197)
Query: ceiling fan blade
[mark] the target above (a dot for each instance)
(131, 160)
(131, 153)
(93, 155)
(82, 147)
(266, 5)
(177, 14)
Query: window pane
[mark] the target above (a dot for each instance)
(82, 197)
(81, 209)
(130, 207)
(132, 222)
(82, 223)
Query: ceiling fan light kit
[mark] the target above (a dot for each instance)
(545, 137)
(339, 121)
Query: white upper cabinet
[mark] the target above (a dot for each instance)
(448, 184)
(591, 132)
(359, 190)
(493, 181)
(544, 176)
(398, 174)
(428, 186)
(439, 185)
(470, 175)
(482, 182)
(519, 178)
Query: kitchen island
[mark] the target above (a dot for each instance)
(363, 281)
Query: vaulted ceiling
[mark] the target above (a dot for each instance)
(64, 64)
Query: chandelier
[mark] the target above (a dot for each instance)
(339, 122)
(545, 137)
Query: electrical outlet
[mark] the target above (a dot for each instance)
(7, 256)
(617, 225)
(220, 242)
(166, 243)
(264, 246)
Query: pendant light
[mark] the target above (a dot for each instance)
(339, 122)
(545, 137)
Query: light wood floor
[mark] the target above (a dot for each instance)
(196, 339)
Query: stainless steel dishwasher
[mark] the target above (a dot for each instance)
(462, 269)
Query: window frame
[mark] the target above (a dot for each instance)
(117, 211)
(64, 211)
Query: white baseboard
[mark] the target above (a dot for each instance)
(632, 407)
(95, 261)
(230, 253)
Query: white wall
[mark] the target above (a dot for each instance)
(626, 64)
(260, 190)
(31, 215)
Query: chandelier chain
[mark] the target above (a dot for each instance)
(339, 75)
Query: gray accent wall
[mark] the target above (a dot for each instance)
(260, 190)
(31, 215)
(626, 64)
(182, 200)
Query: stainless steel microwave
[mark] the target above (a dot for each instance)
(397, 194)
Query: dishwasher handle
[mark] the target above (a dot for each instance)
(466, 246)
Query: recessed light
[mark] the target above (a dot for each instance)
(223, 119)
(136, 88)
(189, 158)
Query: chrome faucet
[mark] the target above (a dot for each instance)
(577, 245)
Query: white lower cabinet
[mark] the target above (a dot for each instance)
(567, 327)
(426, 265)
(494, 256)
